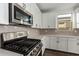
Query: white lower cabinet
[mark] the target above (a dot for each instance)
(67, 44)
(35, 11)
(44, 41)
(53, 43)
(73, 46)
(47, 42)
(77, 46)
(62, 44)
(58, 43)
(43, 48)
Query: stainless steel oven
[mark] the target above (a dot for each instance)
(11, 41)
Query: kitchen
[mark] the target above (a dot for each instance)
(54, 24)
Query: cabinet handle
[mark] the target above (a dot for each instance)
(77, 43)
(24, 5)
(77, 39)
(57, 41)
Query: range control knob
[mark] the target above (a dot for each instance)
(34, 51)
(37, 47)
(31, 54)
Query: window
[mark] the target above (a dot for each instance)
(64, 22)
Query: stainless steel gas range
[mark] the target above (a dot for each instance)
(21, 44)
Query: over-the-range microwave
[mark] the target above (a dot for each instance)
(19, 15)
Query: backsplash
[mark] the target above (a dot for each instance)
(74, 32)
(31, 32)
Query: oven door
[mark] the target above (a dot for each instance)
(37, 51)
(40, 53)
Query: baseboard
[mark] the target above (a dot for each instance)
(61, 51)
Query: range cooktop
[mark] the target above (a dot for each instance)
(22, 45)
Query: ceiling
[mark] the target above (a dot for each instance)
(46, 7)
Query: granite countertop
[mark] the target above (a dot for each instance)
(4, 52)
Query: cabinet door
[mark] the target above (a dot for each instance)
(77, 19)
(49, 20)
(28, 7)
(36, 16)
(53, 43)
(45, 21)
(4, 13)
(62, 44)
(21, 4)
(34, 13)
(72, 45)
(47, 41)
(77, 46)
(43, 40)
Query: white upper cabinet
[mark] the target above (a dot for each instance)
(48, 20)
(21, 4)
(76, 18)
(4, 13)
(28, 7)
(35, 11)
(36, 16)
(45, 21)
(31, 8)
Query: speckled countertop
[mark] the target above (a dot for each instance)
(4, 52)
(42, 36)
